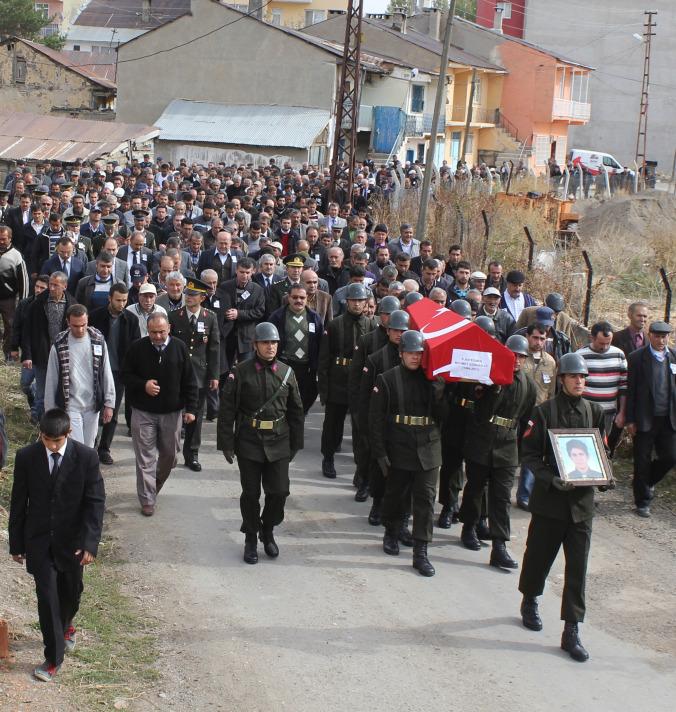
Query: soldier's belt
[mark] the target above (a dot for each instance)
(503, 422)
(265, 424)
(343, 361)
(465, 403)
(413, 420)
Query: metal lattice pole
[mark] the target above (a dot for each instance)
(642, 134)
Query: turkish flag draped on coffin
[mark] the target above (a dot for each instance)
(457, 349)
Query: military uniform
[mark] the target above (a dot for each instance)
(261, 419)
(491, 452)
(558, 518)
(405, 415)
(202, 339)
(335, 355)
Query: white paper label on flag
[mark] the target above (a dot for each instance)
(472, 365)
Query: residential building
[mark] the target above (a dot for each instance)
(40, 80)
(296, 13)
(499, 14)
(53, 11)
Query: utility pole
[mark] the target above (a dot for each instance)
(470, 111)
(439, 102)
(642, 135)
(256, 9)
(347, 106)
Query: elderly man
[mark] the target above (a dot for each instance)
(635, 335)
(173, 297)
(160, 384)
(335, 273)
(405, 243)
(503, 320)
(222, 259)
(317, 299)
(514, 299)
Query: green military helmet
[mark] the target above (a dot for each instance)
(572, 364)
(388, 305)
(517, 344)
(462, 308)
(265, 331)
(486, 324)
(412, 341)
(399, 320)
(555, 302)
(412, 298)
(356, 290)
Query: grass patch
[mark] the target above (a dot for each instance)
(116, 648)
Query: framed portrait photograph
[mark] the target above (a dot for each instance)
(581, 457)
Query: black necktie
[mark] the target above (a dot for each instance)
(135, 258)
(193, 320)
(56, 457)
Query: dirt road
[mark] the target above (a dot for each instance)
(334, 624)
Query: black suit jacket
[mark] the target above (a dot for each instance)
(147, 253)
(128, 333)
(35, 343)
(640, 396)
(14, 220)
(78, 269)
(251, 311)
(57, 514)
(623, 340)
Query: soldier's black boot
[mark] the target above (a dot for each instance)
(469, 538)
(530, 616)
(444, 521)
(570, 642)
(374, 514)
(482, 531)
(405, 536)
(390, 543)
(328, 468)
(251, 549)
(500, 557)
(269, 543)
(420, 561)
(362, 493)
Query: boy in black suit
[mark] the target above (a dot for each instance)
(55, 522)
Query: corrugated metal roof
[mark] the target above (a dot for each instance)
(102, 35)
(251, 125)
(129, 13)
(33, 136)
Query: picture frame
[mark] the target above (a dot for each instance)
(581, 456)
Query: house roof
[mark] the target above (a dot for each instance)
(64, 61)
(128, 13)
(112, 36)
(26, 136)
(251, 125)
(101, 66)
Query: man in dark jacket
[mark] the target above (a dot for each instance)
(634, 336)
(55, 522)
(64, 260)
(300, 333)
(160, 384)
(120, 329)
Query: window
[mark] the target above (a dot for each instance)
(276, 18)
(417, 99)
(43, 8)
(19, 70)
(470, 143)
(76, 48)
(506, 10)
(312, 17)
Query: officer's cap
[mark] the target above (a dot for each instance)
(73, 220)
(195, 287)
(295, 260)
(140, 214)
(110, 220)
(4, 192)
(660, 327)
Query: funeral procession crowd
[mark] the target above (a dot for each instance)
(161, 295)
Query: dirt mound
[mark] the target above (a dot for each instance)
(642, 215)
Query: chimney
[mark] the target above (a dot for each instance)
(434, 23)
(145, 10)
(497, 21)
(399, 21)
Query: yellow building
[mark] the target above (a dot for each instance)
(297, 13)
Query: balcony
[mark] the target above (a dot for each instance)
(571, 110)
(421, 124)
(480, 114)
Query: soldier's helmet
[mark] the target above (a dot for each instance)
(356, 291)
(462, 308)
(265, 331)
(555, 302)
(388, 305)
(412, 341)
(486, 323)
(517, 344)
(572, 364)
(412, 298)
(399, 320)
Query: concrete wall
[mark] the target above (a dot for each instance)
(49, 87)
(601, 37)
(246, 63)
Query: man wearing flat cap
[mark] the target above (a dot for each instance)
(294, 266)
(514, 299)
(651, 412)
(197, 328)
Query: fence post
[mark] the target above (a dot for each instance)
(588, 291)
(509, 179)
(667, 289)
(531, 247)
(487, 233)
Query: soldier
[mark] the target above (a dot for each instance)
(294, 266)
(405, 411)
(491, 455)
(369, 343)
(561, 514)
(335, 354)
(382, 360)
(261, 421)
(197, 328)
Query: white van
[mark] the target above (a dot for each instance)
(593, 160)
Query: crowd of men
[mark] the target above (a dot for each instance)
(243, 294)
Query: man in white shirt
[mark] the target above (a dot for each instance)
(79, 378)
